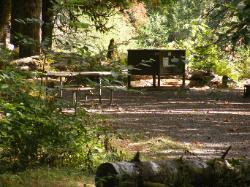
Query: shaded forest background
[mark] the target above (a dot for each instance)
(215, 34)
(74, 35)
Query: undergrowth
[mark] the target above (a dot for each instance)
(34, 131)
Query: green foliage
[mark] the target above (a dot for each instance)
(98, 12)
(223, 174)
(242, 62)
(204, 58)
(211, 59)
(170, 23)
(230, 21)
(190, 28)
(5, 57)
(46, 176)
(86, 28)
(87, 48)
(225, 67)
(219, 173)
(35, 132)
(203, 54)
(155, 32)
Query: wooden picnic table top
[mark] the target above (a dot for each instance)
(81, 73)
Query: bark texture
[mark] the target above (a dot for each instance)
(5, 9)
(25, 26)
(48, 24)
(179, 172)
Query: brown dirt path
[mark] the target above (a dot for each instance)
(205, 121)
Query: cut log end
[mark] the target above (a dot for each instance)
(106, 175)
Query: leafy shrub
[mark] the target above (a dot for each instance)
(203, 59)
(35, 132)
(242, 63)
(225, 67)
(6, 55)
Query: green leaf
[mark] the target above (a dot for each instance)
(4, 86)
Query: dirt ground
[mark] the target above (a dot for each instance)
(199, 121)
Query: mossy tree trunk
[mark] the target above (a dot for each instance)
(26, 26)
(5, 9)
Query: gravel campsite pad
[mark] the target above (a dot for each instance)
(171, 121)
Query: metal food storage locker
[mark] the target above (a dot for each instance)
(156, 62)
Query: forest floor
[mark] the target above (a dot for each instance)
(162, 123)
(169, 122)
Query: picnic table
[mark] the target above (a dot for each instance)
(86, 74)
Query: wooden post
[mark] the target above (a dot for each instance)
(111, 96)
(75, 100)
(159, 80)
(100, 90)
(184, 77)
(46, 84)
(154, 80)
(61, 87)
(247, 90)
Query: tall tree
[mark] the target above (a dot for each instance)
(25, 26)
(5, 9)
(230, 20)
(16, 12)
(48, 23)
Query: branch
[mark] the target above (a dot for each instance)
(226, 152)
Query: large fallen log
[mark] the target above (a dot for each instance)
(141, 173)
(28, 63)
(183, 172)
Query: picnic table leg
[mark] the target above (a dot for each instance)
(100, 90)
(46, 85)
(184, 77)
(75, 100)
(111, 96)
(154, 80)
(246, 90)
(61, 87)
(129, 81)
(159, 80)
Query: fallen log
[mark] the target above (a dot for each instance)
(191, 172)
(142, 173)
(28, 63)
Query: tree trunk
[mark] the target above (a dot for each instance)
(48, 24)
(25, 28)
(5, 8)
(16, 13)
